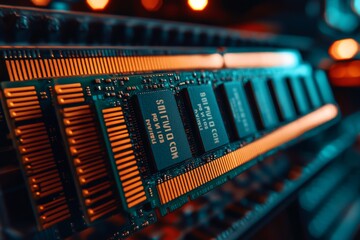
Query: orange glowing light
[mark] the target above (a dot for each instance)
(345, 74)
(197, 5)
(41, 3)
(97, 4)
(344, 49)
(238, 157)
(152, 5)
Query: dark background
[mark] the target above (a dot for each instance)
(296, 17)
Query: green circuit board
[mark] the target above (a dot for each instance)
(123, 150)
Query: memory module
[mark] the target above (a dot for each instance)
(24, 63)
(135, 146)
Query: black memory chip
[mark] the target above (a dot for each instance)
(206, 114)
(262, 105)
(165, 132)
(240, 113)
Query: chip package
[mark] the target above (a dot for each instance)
(207, 117)
(240, 113)
(164, 129)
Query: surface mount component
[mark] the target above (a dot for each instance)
(164, 129)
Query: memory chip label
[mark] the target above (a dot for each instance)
(165, 131)
(240, 113)
(206, 113)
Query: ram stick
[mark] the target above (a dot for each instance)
(111, 149)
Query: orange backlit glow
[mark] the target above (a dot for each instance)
(152, 5)
(189, 181)
(260, 59)
(97, 4)
(345, 74)
(197, 5)
(41, 3)
(344, 49)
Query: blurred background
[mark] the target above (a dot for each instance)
(333, 18)
(326, 32)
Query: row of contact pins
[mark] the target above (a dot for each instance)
(53, 212)
(27, 69)
(69, 93)
(41, 170)
(88, 161)
(125, 160)
(38, 160)
(188, 181)
(23, 103)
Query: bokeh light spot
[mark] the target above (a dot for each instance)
(97, 4)
(41, 3)
(344, 49)
(152, 5)
(197, 5)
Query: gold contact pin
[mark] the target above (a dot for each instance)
(103, 213)
(168, 191)
(113, 114)
(74, 121)
(176, 187)
(52, 204)
(88, 138)
(42, 68)
(114, 122)
(78, 130)
(109, 110)
(28, 158)
(161, 193)
(124, 159)
(199, 176)
(126, 165)
(91, 177)
(129, 175)
(122, 148)
(83, 113)
(188, 180)
(134, 197)
(47, 68)
(20, 92)
(123, 154)
(120, 142)
(96, 189)
(136, 202)
(117, 133)
(76, 109)
(134, 191)
(91, 201)
(71, 98)
(132, 186)
(113, 119)
(117, 128)
(129, 170)
(131, 181)
(9, 70)
(21, 102)
(85, 170)
(31, 134)
(184, 182)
